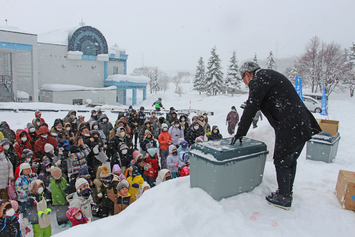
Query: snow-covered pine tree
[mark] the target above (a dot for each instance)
(214, 76)
(200, 77)
(233, 79)
(155, 81)
(270, 62)
(255, 59)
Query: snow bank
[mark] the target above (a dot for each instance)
(135, 79)
(64, 87)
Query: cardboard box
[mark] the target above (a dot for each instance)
(345, 189)
(329, 126)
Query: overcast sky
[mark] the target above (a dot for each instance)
(173, 34)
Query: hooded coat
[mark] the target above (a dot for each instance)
(136, 178)
(81, 202)
(161, 176)
(215, 136)
(164, 140)
(58, 188)
(41, 142)
(192, 134)
(172, 160)
(6, 172)
(176, 133)
(7, 132)
(11, 153)
(273, 94)
(119, 202)
(22, 186)
(19, 145)
(70, 214)
(106, 127)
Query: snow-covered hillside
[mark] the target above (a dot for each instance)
(175, 209)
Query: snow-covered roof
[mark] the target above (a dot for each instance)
(64, 87)
(22, 94)
(136, 79)
(56, 36)
(14, 29)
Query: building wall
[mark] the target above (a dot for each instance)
(67, 97)
(55, 68)
(119, 64)
(23, 50)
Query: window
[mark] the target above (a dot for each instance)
(115, 70)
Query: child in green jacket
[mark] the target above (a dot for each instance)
(58, 185)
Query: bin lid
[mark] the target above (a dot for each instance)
(221, 150)
(325, 139)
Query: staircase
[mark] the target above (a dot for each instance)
(5, 95)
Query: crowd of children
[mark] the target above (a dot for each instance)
(62, 168)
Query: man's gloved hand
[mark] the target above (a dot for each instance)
(235, 138)
(135, 185)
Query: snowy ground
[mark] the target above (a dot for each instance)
(175, 209)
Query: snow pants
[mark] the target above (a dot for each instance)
(286, 171)
(163, 157)
(231, 128)
(41, 232)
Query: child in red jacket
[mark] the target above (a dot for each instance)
(76, 217)
(151, 167)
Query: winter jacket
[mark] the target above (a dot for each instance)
(106, 127)
(6, 172)
(185, 170)
(148, 143)
(39, 144)
(165, 140)
(19, 145)
(45, 175)
(9, 227)
(151, 167)
(134, 180)
(273, 94)
(70, 214)
(215, 136)
(81, 202)
(7, 132)
(58, 188)
(192, 134)
(161, 176)
(11, 153)
(31, 209)
(173, 161)
(22, 187)
(176, 134)
(120, 202)
(153, 120)
(232, 118)
(79, 159)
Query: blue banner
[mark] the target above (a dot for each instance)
(324, 103)
(298, 86)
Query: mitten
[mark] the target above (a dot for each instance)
(48, 211)
(40, 214)
(135, 185)
(95, 150)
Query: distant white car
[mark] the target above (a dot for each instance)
(312, 104)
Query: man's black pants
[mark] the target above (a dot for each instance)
(286, 171)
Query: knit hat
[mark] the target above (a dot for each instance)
(116, 168)
(123, 146)
(123, 184)
(164, 125)
(29, 125)
(145, 184)
(24, 166)
(147, 132)
(56, 173)
(134, 170)
(83, 172)
(105, 174)
(200, 138)
(137, 155)
(152, 151)
(48, 148)
(80, 182)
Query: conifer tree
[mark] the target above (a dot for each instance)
(270, 62)
(200, 77)
(233, 79)
(214, 76)
(255, 59)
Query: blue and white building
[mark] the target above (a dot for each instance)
(65, 66)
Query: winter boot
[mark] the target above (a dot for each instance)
(279, 201)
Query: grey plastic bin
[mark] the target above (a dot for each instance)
(322, 148)
(224, 170)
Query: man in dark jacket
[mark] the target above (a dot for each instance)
(275, 96)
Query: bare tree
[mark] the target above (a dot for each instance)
(158, 79)
(179, 90)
